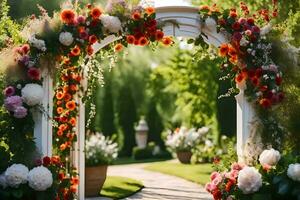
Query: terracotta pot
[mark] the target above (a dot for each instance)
(94, 180)
(184, 157)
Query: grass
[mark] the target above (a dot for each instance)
(117, 187)
(198, 173)
(130, 160)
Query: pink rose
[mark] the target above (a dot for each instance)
(9, 91)
(210, 187)
(237, 166)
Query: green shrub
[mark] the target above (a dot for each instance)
(140, 154)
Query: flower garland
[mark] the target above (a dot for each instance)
(247, 55)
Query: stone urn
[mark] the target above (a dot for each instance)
(184, 156)
(141, 134)
(94, 180)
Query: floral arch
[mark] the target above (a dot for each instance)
(70, 40)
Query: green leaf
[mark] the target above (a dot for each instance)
(190, 41)
(262, 197)
(18, 193)
(284, 188)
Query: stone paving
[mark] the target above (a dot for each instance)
(158, 186)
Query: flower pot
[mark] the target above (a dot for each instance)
(94, 180)
(184, 157)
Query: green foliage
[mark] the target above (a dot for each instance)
(9, 30)
(141, 154)
(127, 117)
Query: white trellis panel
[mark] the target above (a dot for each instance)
(179, 21)
(245, 118)
(43, 120)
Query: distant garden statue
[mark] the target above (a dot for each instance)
(59, 51)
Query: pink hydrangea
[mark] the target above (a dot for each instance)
(12, 102)
(20, 112)
(9, 91)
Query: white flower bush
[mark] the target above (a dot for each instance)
(39, 44)
(269, 157)
(16, 175)
(185, 139)
(40, 178)
(293, 172)
(111, 23)
(100, 150)
(66, 38)
(249, 180)
(32, 94)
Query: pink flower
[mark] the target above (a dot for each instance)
(242, 20)
(81, 19)
(217, 180)
(84, 35)
(214, 175)
(237, 36)
(255, 29)
(20, 112)
(12, 102)
(34, 73)
(9, 91)
(210, 187)
(248, 32)
(237, 166)
(24, 61)
(267, 167)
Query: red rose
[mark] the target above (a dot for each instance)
(265, 103)
(236, 26)
(278, 80)
(34, 73)
(258, 72)
(250, 21)
(46, 161)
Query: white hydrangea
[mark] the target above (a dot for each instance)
(39, 44)
(32, 94)
(16, 175)
(3, 181)
(294, 171)
(266, 29)
(269, 157)
(249, 180)
(40, 178)
(66, 38)
(111, 23)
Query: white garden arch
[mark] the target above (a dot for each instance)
(179, 21)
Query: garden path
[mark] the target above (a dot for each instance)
(158, 186)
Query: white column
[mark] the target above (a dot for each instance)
(43, 119)
(245, 117)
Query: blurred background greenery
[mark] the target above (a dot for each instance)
(169, 87)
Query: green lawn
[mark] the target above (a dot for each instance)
(199, 173)
(117, 187)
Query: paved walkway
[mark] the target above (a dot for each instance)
(158, 186)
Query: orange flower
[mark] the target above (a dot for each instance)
(76, 77)
(59, 95)
(232, 51)
(64, 77)
(75, 51)
(73, 87)
(118, 47)
(63, 127)
(240, 78)
(66, 61)
(73, 189)
(67, 16)
(74, 181)
(130, 39)
(89, 50)
(93, 39)
(150, 10)
(67, 97)
(71, 105)
(143, 41)
(58, 103)
(167, 41)
(59, 110)
(66, 89)
(223, 50)
(233, 59)
(73, 121)
(63, 147)
(60, 133)
(96, 12)
(136, 15)
(159, 35)
(204, 7)
(70, 136)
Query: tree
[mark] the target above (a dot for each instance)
(127, 117)
(107, 114)
(155, 123)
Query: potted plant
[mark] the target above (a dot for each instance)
(99, 153)
(184, 140)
